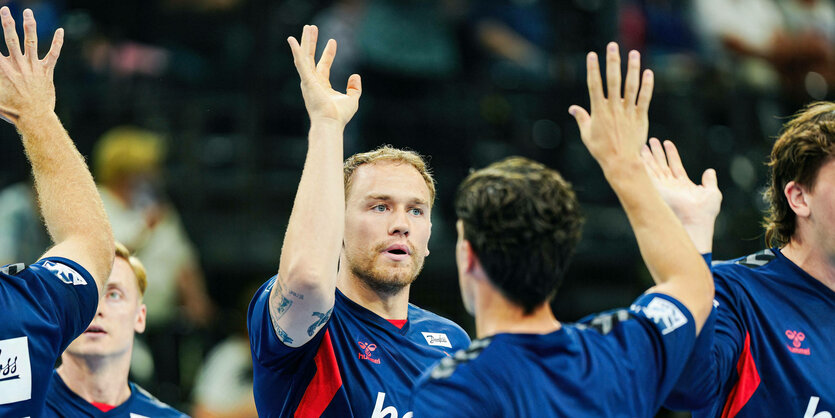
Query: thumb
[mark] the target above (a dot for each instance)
(709, 179)
(582, 117)
(354, 86)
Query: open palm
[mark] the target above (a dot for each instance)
(320, 99)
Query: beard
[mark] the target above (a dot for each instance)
(380, 278)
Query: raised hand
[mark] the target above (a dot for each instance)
(26, 87)
(617, 126)
(320, 99)
(696, 206)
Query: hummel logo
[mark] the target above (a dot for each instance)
(797, 340)
(367, 350)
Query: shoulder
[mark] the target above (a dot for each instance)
(459, 361)
(749, 264)
(421, 319)
(150, 404)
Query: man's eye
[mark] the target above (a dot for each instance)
(379, 208)
(113, 295)
(416, 211)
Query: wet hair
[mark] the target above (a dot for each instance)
(523, 221)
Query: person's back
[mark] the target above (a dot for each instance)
(518, 224)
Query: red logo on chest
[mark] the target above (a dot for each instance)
(367, 352)
(797, 338)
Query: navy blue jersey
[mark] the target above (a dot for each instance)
(358, 365)
(42, 310)
(772, 349)
(61, 401)
(618, 364)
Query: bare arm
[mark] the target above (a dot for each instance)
(68, 199)
(302, 298)
(614, 135)
(696, 206)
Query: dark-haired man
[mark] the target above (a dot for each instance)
(45, 306)
(518, 224)
(772, 350)
(333, 333)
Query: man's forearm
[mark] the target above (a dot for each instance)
(664, 244)
(314, 234)
(69, 202)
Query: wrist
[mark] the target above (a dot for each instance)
(623, 170)
(328, 124)
(29, 120)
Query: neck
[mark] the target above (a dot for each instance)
(387, 305)
(495, 314)
(102, 379)
(812, 259)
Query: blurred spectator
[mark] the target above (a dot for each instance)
(779, 42)
(223, 388)
(127, 162)
(24, 237)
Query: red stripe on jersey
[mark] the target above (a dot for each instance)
(749, 381)
(326, 382)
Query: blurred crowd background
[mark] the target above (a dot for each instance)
(192, 119)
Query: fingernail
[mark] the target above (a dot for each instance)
(27, 13)
(613, 47)
(4, 11)
(572, 111)
(634, 54)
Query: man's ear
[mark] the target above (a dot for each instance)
(139, 326)
(796, 196)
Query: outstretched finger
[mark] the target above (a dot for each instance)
(583, 120)
(633, 79)
(30, 36)
(594, 81)
(54, 51)
(354, 86)
(709, 179)
(10, 33)
(674, 160)
(649, 162)
(613, 77)
(325, 62)
(309, 39)
(645, 96)
(658, 155)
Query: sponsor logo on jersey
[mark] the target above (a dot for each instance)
(65, 273)
(664, 313)
(387, 412)
(367, 352)
(797, 338)
(812, 408)
(437, 338)
(15, 370)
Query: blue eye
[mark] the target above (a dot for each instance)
(416, 211)
(379, 208)
(114, 295)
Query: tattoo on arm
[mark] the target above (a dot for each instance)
(279, 305)
(322, 318)
(282, 335)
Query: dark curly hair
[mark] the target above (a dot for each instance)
(523, 221)
(806, 143)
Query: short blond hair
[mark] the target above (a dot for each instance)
(135, 265)
(396, 155)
